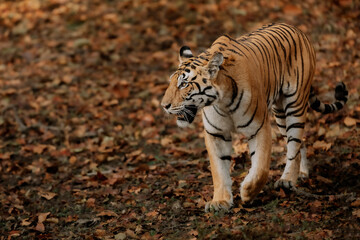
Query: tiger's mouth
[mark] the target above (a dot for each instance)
(188, 114)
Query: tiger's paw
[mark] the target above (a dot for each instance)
(303, 175)
(284, 184)
(248, 192)
(218, 205)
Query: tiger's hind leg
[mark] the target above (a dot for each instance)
(280, 119)
(304, 164)
(294, 132)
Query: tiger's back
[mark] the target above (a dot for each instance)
(278, 57)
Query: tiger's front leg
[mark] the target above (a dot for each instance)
(260, 151)
(219, 149)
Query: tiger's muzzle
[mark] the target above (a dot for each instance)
(188, 114)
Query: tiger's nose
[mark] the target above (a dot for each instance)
(166, 106)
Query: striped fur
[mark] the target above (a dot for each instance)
(237, 83)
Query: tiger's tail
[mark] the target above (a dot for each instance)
(341, 94)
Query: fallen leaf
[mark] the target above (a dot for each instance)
(152, 213)
(80, 131)
(323, 179)
(72, 160)
(356, 203)
(321, 145)
(47, 195)
(14, 233)
(194, 232)
(120, 236)
(39, 148)
(131, 233)
(334, 131)
(349, 121)
(291, 9)
(71, 218)
(240, 148)
(107, 213)
(321, 131)
(356, 213)
(42, 217)
(25, 222)
(90, 202)
(282, 193)
(52, 220)
(236, 210)
(166, 141)
(40, 227)
(100, 232)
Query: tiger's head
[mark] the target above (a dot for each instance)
(192, 85)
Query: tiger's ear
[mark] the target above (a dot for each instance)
(214, 64)
(184, 54)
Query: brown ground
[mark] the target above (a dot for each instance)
(87, 153)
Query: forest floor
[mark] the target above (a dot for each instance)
(86, 152)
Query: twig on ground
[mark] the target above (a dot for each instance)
(303, 193)
(19, 122)
(23, 128)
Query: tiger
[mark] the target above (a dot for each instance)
(237, 84)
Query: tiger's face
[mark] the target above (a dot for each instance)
(191, 86)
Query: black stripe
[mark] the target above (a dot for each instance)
(282, 33)
(315, 105)
(197, 85)
(278, 41)
(222, 68)
(252, 153)
(219, 136)
(232, 50)
(280, 126)
(238, 103)
(278, 110)
(293, 40)
(225, 35)
(209, 102)
(218, 112)
(211, 124)
(262, 124)
(295, 125)
(327, 109)
(242, 53)
(234, 90)
(280, 116)
(339, 105)
(220, 43)
(302, 109)
(203, 58)
(290, 139)
(261, 53)
(203, 92)
(227, 157)
(290, 159)
(251, 119)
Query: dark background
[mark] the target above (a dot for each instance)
(87, 153)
